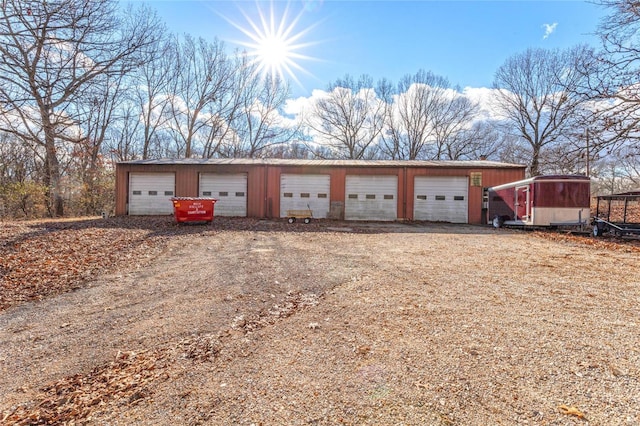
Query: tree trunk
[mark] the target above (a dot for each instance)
(534, 167)
(52, 171)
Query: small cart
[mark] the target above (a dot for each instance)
(305, 215)
(618, 214)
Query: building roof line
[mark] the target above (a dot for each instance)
(326, 163)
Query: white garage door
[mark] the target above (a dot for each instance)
(371, 197)
(441, 199)
(230, 191)
(150, 193)
(301, 192)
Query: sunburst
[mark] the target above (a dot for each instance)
(275, 44)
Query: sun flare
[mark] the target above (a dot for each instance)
(272, 52)
(274, 43)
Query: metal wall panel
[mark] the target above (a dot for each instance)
(305, 191)
(263, 180)
(229, 189)
(441, 199)
(150, 193)
(370, 197)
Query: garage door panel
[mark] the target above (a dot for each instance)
(441, 199)
(371, 197)
(229, 189)
(150, 193)
(301, 192)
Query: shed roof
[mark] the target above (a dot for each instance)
(328, 163)
(628, 195)
(632, 192)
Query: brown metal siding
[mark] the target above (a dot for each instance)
(186, 182)
(121, 190)
(490, 177)
(338, 190)
(263, 182)
(255, 190)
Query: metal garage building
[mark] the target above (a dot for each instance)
(447, 191)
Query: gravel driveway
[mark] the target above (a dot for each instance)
(383, 324)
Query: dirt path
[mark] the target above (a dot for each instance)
(198, 284)
(417, 325)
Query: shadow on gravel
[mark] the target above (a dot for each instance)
(165, 226)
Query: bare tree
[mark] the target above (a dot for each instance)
(628, 161)
(96, 113)
(452, 121)
(153, 78)
(21, 191)
(248, 122)
(424, 118)
(202, 87)
(122, 143)
(482, 140)
(613, 77)
(410, 118)
(51, 54)
(293, 149)
(348, 120)
(259, 125)
(140, 126)
(537, 92)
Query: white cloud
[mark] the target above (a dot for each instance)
(549, 29)
(487, 100)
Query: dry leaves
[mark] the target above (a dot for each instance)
(62, 255)
(571, 411)
(72, 399)
(607, 243)
(40, 259)
(293, 302)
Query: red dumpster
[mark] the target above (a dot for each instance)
(192, 209)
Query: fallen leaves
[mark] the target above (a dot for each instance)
(72, 399)
(609, 243)
(201, 348)
(292, 303)
(571, 411)
(424, 355)
(42, 259)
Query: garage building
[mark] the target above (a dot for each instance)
(439, 191)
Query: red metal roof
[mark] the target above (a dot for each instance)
(329, 163)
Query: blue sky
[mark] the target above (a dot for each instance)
(464, 41)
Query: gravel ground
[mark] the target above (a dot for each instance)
(254, 322)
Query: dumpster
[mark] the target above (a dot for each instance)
(193, 209)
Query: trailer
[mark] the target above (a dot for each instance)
(549, 201)
(617, 214)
